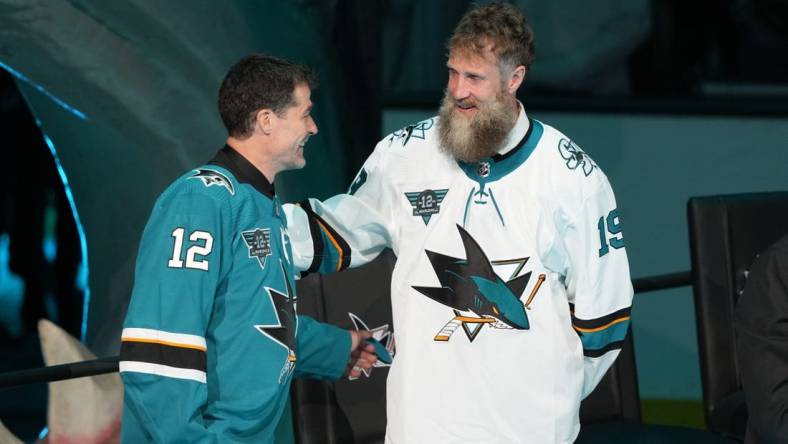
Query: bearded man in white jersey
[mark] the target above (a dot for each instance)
(511, 293)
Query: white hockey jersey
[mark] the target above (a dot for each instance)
(511, 292)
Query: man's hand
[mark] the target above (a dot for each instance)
(362, 354)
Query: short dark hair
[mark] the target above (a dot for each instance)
(501, 26)
(256, 82)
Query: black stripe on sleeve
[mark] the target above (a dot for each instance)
(317, 238)
(599, 352)
(343, 245)
(604, 320)
(169, 355)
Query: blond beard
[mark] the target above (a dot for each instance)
(478, 137)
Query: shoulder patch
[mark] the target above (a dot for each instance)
(212, 177)
(414, 131)
(259, 243)
(575, 157)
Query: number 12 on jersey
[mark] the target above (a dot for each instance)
(611, 225)
(197, 249)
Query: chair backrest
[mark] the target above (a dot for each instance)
(355, 411)
(726, 233)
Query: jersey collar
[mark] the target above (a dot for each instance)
(521, 127)
(499, 165)
(243, 170)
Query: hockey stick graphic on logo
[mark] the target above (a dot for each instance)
(448, 330)
(539, 281)
(452, 326)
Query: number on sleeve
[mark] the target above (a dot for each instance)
(175, 261)
(611, 225)
(195, 254)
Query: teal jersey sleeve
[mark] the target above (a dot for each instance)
(323, 349)
(164, 347)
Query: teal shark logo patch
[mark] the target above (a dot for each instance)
(471, 285)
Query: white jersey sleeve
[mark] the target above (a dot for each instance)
(346, 230)
(598, 282)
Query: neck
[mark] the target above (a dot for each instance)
(253, 150)
(514, 106)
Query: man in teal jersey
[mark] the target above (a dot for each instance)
(212, 340)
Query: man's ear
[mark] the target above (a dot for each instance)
(265, 121)
(516, 79)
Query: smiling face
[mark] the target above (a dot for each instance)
(479, 106)
(473, 80)
(290, 131)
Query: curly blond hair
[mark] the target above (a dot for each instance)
(499, 27)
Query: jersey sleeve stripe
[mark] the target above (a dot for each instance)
(600, 339)
(599, 352)
(317, 238)
(172, 344)
(334, 252)
(162, 370)
(164, 337)
(603, 322)
(333, 242)
(603, 334)
(611, 323)
(157, 353)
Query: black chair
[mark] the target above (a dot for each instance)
(726, 233)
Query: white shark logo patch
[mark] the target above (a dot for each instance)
(213, 178)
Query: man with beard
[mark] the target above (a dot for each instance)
(511, 292)
(212, 340)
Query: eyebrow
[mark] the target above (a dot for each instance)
(466, 72)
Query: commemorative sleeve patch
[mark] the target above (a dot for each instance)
(259, 243)
(426, 203)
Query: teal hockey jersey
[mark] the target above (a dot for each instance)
(211, 340)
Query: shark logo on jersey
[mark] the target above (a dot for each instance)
(575, 157)
(259, 243)
(471, 285)
(417, 130)
(426, 203)
(381, 333)
(283, 331)
(211, 178)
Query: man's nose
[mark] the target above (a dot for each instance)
(459, 88)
